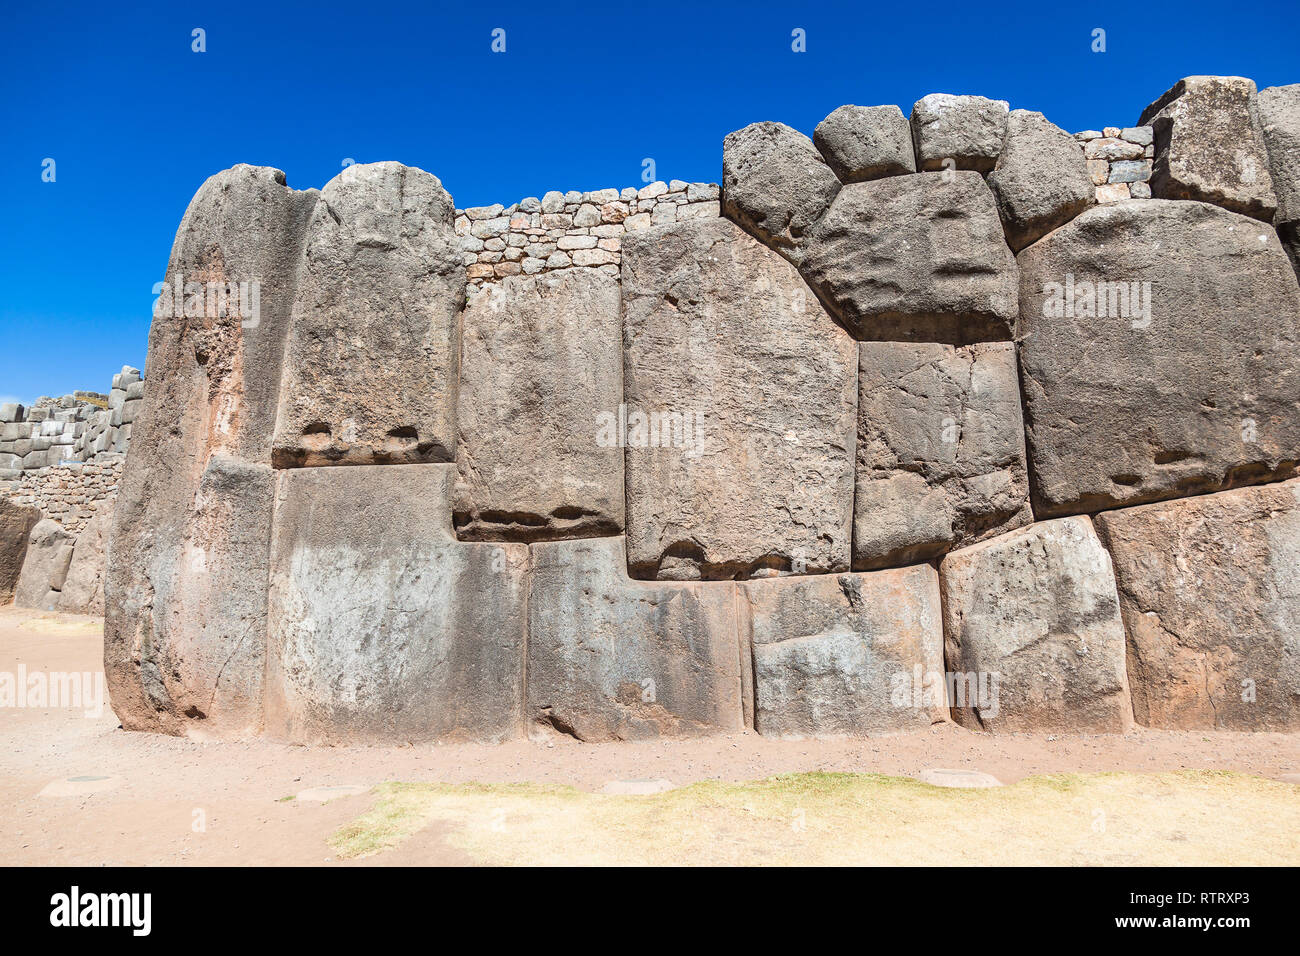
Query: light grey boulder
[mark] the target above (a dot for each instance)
(1208, 145)
(1041, 179)
(919, 257)
(965, 129)
(845, 654)
(11, 412)
(941, 450)
(774, 183)
(1210, 592)
(16, 524)
(720, 332)
(541, 382)
(1279, 123)
(866, 142)
(382, 626)
(1180, 376)
(610, 658)
(45, 567)
(1033, 634)
(83, 589)
(185, 593)
(371, 362)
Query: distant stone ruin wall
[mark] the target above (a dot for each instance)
(913, 425)
(560, 230)
(70, 494)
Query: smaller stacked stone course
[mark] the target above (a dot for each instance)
(1119, 161)
(560, 230)
(70, 494)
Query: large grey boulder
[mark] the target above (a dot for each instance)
(720, 331)
(1208, 145)
(610, 658)
(16, 524)
(541, 382)
(968, 130)
(866, 142)
(1210, 592)
(1033, 633)
(919, 257)
(45, 568)
(184, 634)
(1041, 179)
(382, 627)
(941, 450)
(1158, 356)
(1279, 123)
(774, 183)
(371, 362)
(83, 589)
(845, 654)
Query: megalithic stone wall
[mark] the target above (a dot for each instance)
(911, 422)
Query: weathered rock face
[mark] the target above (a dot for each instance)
(16, 524)
(184, 636)
(1127, 397)
(1210, 592)
(540, 387)
(1279, 122)
(382, 627)
(1041, 179)
(610, 658)
(845, 655)
(965, 129)
(866, 142)
(941, 450)
(918, 258)
(49, 552)
(774, 183)
(371, 362)
(1033, 615)
(719, 328)
(83, 589)
(1208, 145)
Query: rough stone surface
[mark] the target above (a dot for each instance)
(610, 658)
(774, 183)
(185, 593)
(941, 450)
(371, 362)
(846, 654)
(1279, 122)
(720, 328)
(1210, 592)
(1138, 405)
(1041, 179)
(383, 627)
(1037, 608)
(541, 372)
(1208, 145)
(16, 524)
(45, 568)
(866, 142)
(919, 257)
(83, 590)
(968, 130)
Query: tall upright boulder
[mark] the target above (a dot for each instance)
(1158, 356)
(720, 332)
(383, 628)
(1210, 592)
(1208, 145)
(45, 568)
(1279, 123)
(16, 524)
(541, 370)
(83, 589)
(371, 360)
(915, 258)
(185, 593)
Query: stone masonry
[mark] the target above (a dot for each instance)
(943, 417)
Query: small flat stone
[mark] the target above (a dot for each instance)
(637, 788)
(326, 794)
(79, 786)
(963, 779)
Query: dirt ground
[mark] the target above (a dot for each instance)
(134, 799)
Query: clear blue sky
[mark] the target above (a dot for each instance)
(135, 120)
